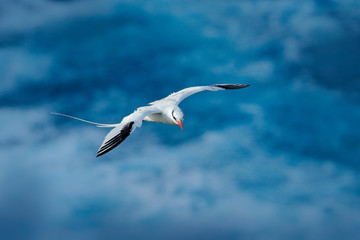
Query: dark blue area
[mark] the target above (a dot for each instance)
(276, 160)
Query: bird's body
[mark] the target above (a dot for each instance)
(159, 118)
(165, 111)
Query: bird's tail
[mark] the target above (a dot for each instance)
(95, 123)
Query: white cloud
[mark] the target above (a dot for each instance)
(222, 179)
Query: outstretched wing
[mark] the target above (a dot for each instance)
(177, 97)
(125, 128)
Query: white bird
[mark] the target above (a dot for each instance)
(165, 110)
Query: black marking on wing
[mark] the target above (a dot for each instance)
(230, 86)
(116, 140)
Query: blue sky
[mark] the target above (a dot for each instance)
(277, 160)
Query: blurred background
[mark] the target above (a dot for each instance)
(277, 160)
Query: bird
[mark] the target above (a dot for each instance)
(165, 110)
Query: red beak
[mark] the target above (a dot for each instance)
(180, 124)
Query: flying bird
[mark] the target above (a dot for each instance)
(165, 110)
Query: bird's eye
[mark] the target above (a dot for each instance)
(172, 113)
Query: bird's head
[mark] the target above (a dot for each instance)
(177, 116)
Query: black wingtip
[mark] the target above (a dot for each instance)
(231, 86)
(116, 140)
